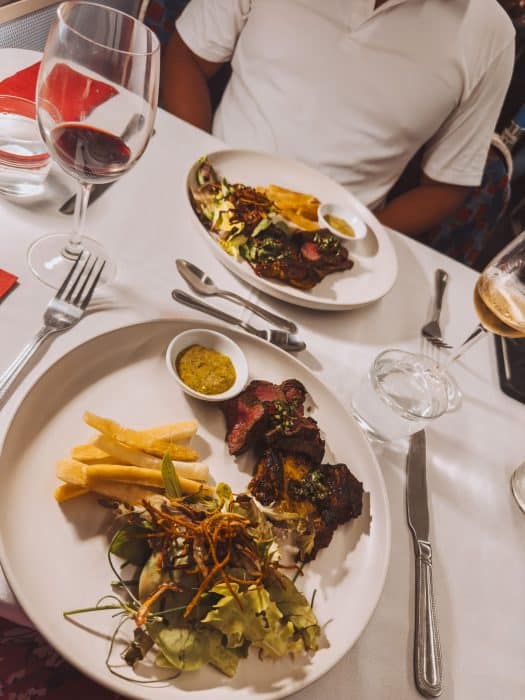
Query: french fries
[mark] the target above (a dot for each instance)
(125, 464)
(118, 453)
(173, 432)
(65, 492)
(139, 440)
(127, 493)
(297, 207)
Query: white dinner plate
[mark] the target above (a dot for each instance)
(375, 262)
(55, 556)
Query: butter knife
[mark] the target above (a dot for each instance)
(427, 650)
(282, 339)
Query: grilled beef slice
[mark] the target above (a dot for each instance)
(272, 414)
(301, 259)
(323, 495)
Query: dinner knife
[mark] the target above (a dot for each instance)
(69, 205)
(427, 650)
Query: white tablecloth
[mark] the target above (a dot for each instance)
(477, 530)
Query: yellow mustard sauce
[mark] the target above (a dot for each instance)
(205, 370)
(340, 225)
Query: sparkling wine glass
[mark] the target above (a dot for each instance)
(97, 97)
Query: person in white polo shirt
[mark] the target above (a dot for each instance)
(354, 88)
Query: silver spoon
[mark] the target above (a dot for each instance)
(201, 283)
(280, 338)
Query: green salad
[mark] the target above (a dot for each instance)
(210, 584)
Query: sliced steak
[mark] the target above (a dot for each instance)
(297, 435)
(323, 496)
(245, 422)
(260, 409)
(267, 484)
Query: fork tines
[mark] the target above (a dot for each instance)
(79, 282)
(437, 342)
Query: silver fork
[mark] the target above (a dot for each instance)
(431, 331)
(63, 312)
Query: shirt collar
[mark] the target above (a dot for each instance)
(360, 11)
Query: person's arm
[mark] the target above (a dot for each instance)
(204, 39)
(454, 159)
(184, 83)
(423, 207)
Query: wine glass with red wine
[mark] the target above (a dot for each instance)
(97, 97)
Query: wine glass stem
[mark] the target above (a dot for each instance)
(471, 340)
(74, 246)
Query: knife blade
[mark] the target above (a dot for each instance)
(69, 205)
(428, 674)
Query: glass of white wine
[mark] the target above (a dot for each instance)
(499, 300)
(403, 391)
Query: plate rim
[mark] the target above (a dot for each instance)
(382, 494)
(270, 287)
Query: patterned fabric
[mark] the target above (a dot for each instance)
(30, 668)
(465, 235)
(161, 16)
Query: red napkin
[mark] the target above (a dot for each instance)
(72, 94)
(7, 280)
(21, 84)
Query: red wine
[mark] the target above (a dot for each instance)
(89, 153)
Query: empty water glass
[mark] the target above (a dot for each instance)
(401, 393)
(24, 160)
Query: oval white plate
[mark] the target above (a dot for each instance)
(375, 262)
(55, 556)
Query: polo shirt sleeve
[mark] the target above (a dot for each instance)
(210, 28)
(458, 151)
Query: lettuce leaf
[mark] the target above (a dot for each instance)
(189, 649)
(295, 609)
(257, 620)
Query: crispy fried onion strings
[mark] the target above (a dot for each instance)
(208, 543)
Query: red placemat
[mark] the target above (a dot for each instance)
(73, 95)
(7, 281)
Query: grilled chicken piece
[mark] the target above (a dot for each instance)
(323, 495)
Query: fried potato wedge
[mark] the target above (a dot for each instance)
(104, 450)
(65, 492)
(172, 432)
(123, 473)
(118, 453)
(137, 475)
(138, 440)
(85, 475)
(296, 207)
(289, 198)
(91, 453)
(298, 220)
(132, 494)
(72, 472)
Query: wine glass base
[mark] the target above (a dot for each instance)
(51, 257)
(454, 393)
(517, 484)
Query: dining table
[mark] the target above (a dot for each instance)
(478, 533)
